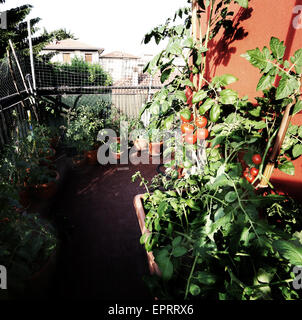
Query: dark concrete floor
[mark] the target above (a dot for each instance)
(100, 256)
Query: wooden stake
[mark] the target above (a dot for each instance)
(277, 147)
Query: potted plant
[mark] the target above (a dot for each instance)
(82, 129)
(155, 144)
(43, 182)
(139, 135)
(28, 243)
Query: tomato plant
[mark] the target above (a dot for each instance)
(218, 247)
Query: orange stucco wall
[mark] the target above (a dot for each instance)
(254, 28)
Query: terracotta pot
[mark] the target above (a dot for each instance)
(140, 213)
(47, 190)
(91, 156)
(78, 161)
(141, 144)
(155, 148)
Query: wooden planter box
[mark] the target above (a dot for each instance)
(140, 213)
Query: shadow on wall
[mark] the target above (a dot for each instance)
(221, 50)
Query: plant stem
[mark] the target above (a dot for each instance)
(190, 276)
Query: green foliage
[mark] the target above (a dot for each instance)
(212, 235)
(84, 73)
(271, 63)
(26, 243)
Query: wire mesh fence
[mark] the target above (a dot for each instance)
(124, 85)
(15, 97)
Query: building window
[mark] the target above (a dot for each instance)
(66, 57)
(88, 57)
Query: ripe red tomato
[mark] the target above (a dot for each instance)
(250, 178)
(187, 128)
(191, 138)
(254, 172)
(246, 173)
(201, 122)
(202, 133)
(257, 158)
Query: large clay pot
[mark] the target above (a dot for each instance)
(155, 148)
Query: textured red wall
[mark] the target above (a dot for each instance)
(255, 27)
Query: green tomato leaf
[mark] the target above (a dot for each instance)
(162, 208)
(297, 107)
(198, 96)
(166, 267)
(180, 95)
(206, 278)
(179, 251)
(286, 87)
(277, 48)
(297, 150)
(206, 106)
(290, 251)
(176, 241)
(228, 96)
(255, 112)
(224, 80)
(155, 108)
(287, 167)
(266, 81)
(300, 131)
(297, 61)
(230, 196)
(165, 75)
(243, 3)
(192, 204)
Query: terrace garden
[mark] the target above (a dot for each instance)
(97, 204)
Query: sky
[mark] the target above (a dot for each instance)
(115, 25)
